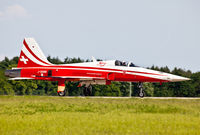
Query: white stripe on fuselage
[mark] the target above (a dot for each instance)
(130, 72)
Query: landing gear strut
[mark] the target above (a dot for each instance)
(61, 88)
(87, 91)
(141, 93)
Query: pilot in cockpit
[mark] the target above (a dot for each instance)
(131, 64)
(124, 63)
(120, 63)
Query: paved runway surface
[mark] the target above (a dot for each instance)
(125, 97)
(136, 97)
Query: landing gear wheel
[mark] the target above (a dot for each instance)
(141, 93)
(62, 93)
(87, 91)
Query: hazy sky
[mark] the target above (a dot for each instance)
(147, 32)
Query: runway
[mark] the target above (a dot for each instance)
(192, 98)
(106, 97)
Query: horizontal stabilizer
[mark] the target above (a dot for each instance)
(19, 78)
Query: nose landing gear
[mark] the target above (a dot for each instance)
(141, 92)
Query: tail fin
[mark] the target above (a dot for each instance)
(31, 55)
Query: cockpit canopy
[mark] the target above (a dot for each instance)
(123, 63)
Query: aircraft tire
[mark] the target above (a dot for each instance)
(87, 91)
(141, 93)
(62, 93)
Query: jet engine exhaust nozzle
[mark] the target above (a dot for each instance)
(13, 73)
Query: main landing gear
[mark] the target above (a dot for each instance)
(61, 88)
(87, 90)
(62, 93)
(141, 92)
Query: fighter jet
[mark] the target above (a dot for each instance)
(34, 65)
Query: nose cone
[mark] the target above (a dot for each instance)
(176, 78)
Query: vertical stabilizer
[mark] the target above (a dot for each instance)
(31, 55)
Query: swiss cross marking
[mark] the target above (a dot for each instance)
(24, 60)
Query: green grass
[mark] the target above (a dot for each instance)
(89, 116)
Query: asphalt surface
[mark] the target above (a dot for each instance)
(133, 97)
(192, 98)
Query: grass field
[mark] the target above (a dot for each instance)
(97, 116)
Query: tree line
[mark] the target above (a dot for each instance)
(36, 87)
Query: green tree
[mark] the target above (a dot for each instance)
(195, 81)
(124, 88)
(31, 86)
(149, 89)
(20, 88)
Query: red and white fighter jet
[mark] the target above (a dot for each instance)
(34, 65)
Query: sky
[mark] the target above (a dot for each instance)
(146, 32)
